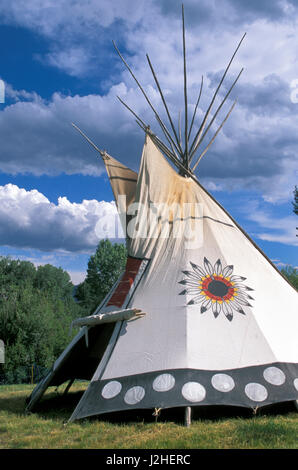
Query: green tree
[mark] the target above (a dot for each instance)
(291, 274)
(104, 268)
(36, 309)
(54, 280)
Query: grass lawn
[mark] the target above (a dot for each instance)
(275, 427)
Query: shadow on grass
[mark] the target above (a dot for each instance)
(201, 413)
(52, 406)
(60, 407)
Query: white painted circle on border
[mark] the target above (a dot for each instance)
(134, 395)
(222, 382)
(111, 389)
(296, 383)
(163, 383)
(274, 376)
(193, 391)
(256, 392)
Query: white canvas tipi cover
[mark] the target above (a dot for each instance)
(221, 322)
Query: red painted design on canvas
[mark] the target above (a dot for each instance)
(131, 270)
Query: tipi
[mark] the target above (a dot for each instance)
(215, 321)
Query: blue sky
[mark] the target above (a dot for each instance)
(59, 66)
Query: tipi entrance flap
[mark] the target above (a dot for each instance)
(121, 297)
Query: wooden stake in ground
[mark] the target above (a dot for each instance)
(187, 419)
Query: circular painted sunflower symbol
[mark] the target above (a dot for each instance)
(215, 287)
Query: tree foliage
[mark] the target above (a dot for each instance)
(291, 274)
(104, 268)
(36, 309)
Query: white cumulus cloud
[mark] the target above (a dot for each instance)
(273, 229)
(29, 220)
